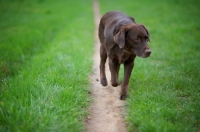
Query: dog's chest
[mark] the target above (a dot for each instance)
(123, 57)
(118, 54)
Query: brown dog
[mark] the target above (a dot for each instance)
(121, 40)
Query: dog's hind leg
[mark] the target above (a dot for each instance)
(103, 58)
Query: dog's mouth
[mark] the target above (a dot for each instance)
(144, 54)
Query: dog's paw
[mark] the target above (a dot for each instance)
(104, 82)
(123, 97)
(115, 84)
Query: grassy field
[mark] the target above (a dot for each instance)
(45, 58)
(164, 93)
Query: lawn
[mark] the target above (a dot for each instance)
(45, 58)
(164, 91)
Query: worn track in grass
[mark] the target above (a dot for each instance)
(106, 111)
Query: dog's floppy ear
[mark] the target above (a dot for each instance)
(119, 38)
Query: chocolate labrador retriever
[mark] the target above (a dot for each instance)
(121, 41)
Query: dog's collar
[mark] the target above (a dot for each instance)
(127, 51)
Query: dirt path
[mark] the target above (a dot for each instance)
(106, 112)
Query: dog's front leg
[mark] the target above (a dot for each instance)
(128, 66)
(114, 69)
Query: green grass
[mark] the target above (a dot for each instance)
(164, 92)
(45, 60)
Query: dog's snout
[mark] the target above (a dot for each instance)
(148, 52)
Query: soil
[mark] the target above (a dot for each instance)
(107, 110)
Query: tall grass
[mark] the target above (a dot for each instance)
(45, 59)
(164, 91)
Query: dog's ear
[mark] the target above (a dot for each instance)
(119, 38)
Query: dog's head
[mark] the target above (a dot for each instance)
(133, 39)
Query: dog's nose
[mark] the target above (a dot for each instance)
(148, 52)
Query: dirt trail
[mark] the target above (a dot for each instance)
(106, 111)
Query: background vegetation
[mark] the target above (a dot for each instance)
(45, 58)
(165, 88)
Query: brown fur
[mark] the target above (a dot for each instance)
(121, 41)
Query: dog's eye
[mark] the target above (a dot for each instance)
(137, 39)
(147, 39)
